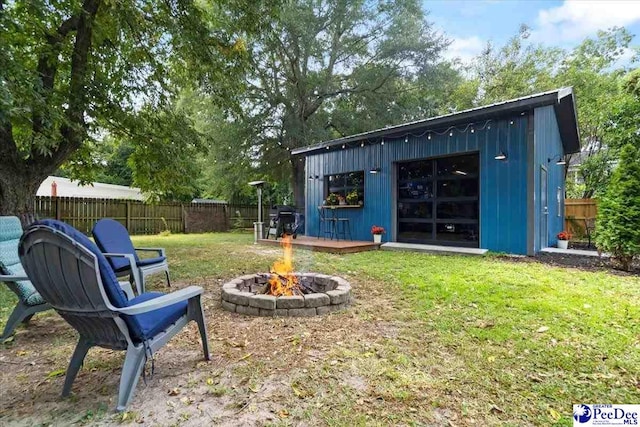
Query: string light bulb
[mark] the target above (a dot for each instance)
(382, 143)
(343, 146)
(362, 144)
(429, 136)
(406, 139)
(451, 133)
(472, 130)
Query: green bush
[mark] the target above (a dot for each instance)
(618, 223)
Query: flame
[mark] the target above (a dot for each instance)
(282, 281)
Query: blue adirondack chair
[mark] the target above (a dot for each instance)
(73, 275)
(11, 272)
(113, 240)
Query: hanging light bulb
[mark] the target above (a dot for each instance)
(327, 147)
(428, 136)
(382, 143)
(406, 139)
(451, 133)
(511, 122)
(472, 130)
(343, 146)
(362, 144)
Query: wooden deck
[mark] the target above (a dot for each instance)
(322, 245)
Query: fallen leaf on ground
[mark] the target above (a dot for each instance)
(56, 373)
(174, 392)
(542, 329)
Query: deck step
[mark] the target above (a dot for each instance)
(579, 252)
(396, 246)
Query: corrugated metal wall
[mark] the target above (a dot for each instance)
(503, 184)
(548, 145)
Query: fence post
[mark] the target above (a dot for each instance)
(183, 218)
(58, 209)
(128, 217)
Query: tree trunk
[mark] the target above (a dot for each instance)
(18, 192)
(297, 183)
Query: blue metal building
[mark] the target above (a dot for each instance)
(490, 177)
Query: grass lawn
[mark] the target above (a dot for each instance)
(429, 340)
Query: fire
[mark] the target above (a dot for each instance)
(282, 281)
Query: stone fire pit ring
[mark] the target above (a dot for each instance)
(247, 295)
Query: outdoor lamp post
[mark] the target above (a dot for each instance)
(257, 226)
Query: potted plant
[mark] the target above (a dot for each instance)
(332, 199)
(377, 232)
(341, 200)
(563, 239)
(352, 198)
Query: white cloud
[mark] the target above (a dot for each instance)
(464, 48)
(575, 20)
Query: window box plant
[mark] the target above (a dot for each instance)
(563, 239)
(352, 198)
(377, 232)
(332, 199)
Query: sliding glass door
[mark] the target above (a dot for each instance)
(438, 201)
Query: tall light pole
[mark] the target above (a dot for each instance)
(257, 226)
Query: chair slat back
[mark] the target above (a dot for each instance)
(67, 275)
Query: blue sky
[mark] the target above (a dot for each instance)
(471, 23)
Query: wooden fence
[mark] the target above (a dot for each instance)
(576, 212)
(143, 218)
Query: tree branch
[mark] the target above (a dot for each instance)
(74, 131)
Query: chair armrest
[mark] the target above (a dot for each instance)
(11, 278)
(160, 251)
(162, 301)
(132, 265)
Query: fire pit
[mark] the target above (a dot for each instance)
(283, 292)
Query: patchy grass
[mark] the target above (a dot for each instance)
(436, 340)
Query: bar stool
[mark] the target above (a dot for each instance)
(343, 226)
(326, 225)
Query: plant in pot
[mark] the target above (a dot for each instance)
(352, 198)
(332, 199)
(377, 232)
(563, 239)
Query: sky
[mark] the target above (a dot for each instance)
(469, 24)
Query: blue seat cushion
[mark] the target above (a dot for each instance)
(156, 321)
(112, 237)
(151, 261)
(111, 286)
(142, 263)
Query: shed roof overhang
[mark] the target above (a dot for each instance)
(563, 101)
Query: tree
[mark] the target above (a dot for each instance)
(322, 59)
(618, 222)
(73, 69)
(520, 68)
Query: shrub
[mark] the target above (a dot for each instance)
(618, 223)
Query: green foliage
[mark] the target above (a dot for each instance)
(75, 70)
(326, 68)
(520, 68)
(618, 223)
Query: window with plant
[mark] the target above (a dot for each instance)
(345, 188)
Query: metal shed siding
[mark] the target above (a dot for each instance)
(547, 145)
(503, 184)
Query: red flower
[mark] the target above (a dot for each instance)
(564, 235)
(377, 230)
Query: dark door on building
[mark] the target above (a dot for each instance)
(438, 201)
(544, 206)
